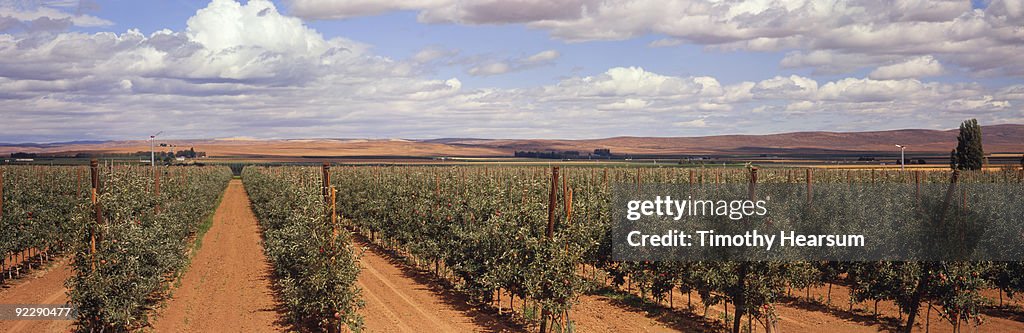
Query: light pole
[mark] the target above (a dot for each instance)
(902, 160)
(152, 151)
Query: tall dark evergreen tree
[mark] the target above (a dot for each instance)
(968, 154)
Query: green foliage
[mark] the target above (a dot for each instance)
(486, 226)
(484, 230)
(36, 204)
(968, 154)
(315, 271)
(1008, 276)
(142, 245)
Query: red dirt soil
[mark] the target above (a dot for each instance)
(227, 287)
(599, 314)
(402, 299)
(40, 287)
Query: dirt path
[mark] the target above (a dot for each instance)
(41, 287)
(596, 313)
(227, 287)
(401, 299)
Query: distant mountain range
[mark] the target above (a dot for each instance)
(996, 138)
(52, 144)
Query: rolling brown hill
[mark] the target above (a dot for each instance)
(997, 139)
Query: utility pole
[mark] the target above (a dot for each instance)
(152, 149)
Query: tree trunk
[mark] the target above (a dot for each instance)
(915, 301)
(740, 302)
(544, 321)
(829, 300)
(928, 318)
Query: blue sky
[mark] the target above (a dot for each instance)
(501, 69)
(398, 35)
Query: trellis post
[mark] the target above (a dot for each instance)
(809, 181)
(94, 195)
(552, 199)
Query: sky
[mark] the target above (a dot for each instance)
(421, 69)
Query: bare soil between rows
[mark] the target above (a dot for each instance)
(399, 298)
(44, 286)
(228, 287)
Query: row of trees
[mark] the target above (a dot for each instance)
(486, 229)
(511, 232)
(314, 263)
(35, 202)
(133, 241)
(128, 228)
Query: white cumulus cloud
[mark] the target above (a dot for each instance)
(919, 67)
(857, 34)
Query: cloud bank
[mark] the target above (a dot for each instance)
(869, 33)
(248, 70)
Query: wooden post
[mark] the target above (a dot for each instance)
(568, 207)
(334, 214)
(565, 184)
(552, 198)
(95, 192)
(753, 184)
(809, 181)
(550, 233)
(325, 182)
